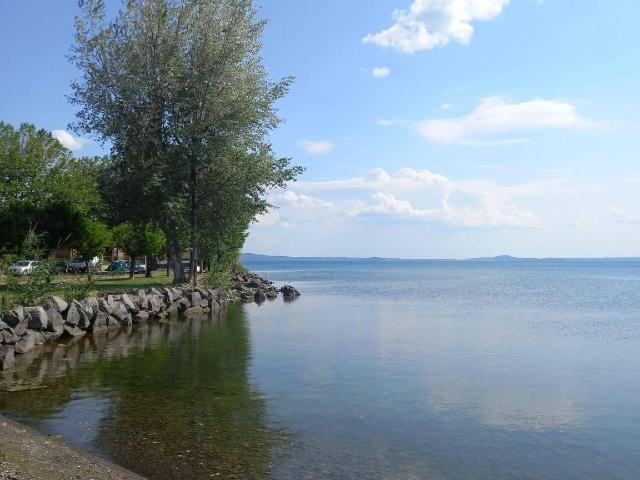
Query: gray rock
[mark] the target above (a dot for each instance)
(29, 342)
(173, 309)
(55, 321)
(141, 317)
(74, 314)
(289, 291)
(168, 296)
(99, 322)
(113, 323)
(57, 304)
(154, 291)
(7, 358)
(8, 336)
(36, 318)
(194, 311)
(128, 303)
(48, 337)
(3, 325)
(105, 306)
(120, 311)
(260, 296)
(72, 331)
(14, 316)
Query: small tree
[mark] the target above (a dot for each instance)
(91, 241)
(139, 240)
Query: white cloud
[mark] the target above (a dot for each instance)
(445, 106)
(317, 147)
(380, 72)
(68, 140)
(304, 201)
(496, 115)
(271, 219)
(411, 194)
(385, 122)
(428, 24)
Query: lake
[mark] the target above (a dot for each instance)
(380, 370)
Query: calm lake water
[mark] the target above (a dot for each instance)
(381, 370)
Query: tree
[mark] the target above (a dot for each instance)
(93, 239)
(179, 89)
(42, 187)
(139, 240)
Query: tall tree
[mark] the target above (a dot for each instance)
(177, 87)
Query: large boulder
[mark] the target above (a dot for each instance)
(57, 304)
(7, 358)
(105, 306)
(194, 297)
(260, 296)
(72, 331)
(194, 311)
(74, 315)
(141, 317)
(29, 341)
(14, 317)
(99, 322)
(8, 336)
(37, 318)
(55, 321)
(289, 291)
(128, 303)
(168, 295)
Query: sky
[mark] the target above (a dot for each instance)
(428, 128)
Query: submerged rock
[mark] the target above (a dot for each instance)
(289, 291)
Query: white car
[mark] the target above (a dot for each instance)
(23, 267)
(79, 264)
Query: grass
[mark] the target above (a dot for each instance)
(104, 283)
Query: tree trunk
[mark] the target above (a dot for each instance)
(131, 266)
(176, 260)
(193, 258)
(147, 266)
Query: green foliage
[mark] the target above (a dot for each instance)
(218, 276)
(139, 240)
(77, 290)
(42, 188)
(92, 239)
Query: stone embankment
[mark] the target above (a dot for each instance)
(24, 328)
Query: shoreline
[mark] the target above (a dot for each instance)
(26, 454)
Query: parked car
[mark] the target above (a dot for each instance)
(123, 266)
(23, 267)
(79, 264)
(59, 266)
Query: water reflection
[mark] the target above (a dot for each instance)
(167, 401)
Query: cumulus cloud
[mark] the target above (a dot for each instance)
(317, 147)
(497, 116)
(304, 201)
(428, 24)
(380, 72)
(271, 219)
(68, 140)
(422, 195)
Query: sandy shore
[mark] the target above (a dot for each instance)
(26, 454)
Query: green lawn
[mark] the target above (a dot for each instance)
(106, 283)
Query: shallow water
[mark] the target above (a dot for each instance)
(382, 370)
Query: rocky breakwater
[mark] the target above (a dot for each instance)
(250, 287)
(24, 328)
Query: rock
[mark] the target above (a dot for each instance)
(141, 317)
(194, 311)
(57, 304)
(194, 297)
(36, 318)
(204, 303)
(113, 323)
(20, 328)
(74, 314)
(128, 303)
(7, 358)
(183, 304)
(8, 336)
(288, 291)
(72, 331)
(168, 295)
(154, 291)
(3, 325)
(99, 322)
(120, 312)
(29, 341)
(14, 317)
(173, 309)
(48, 337)
(55, 321)
(105, 306)
(260, 296)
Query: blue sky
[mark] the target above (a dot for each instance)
(450, 128)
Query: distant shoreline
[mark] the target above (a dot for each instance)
(255, 257)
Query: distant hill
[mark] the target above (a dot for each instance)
(255, 258)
